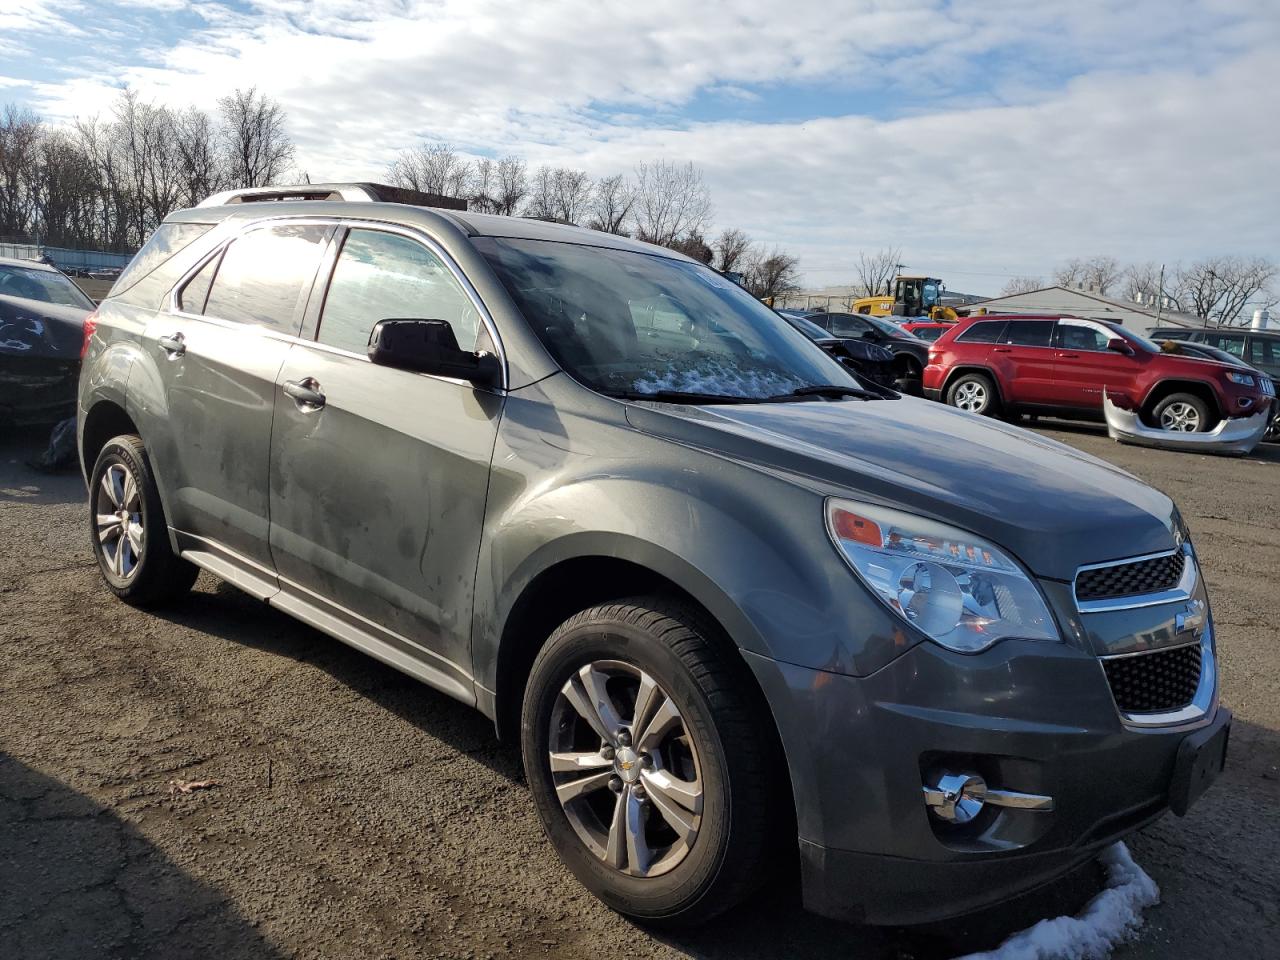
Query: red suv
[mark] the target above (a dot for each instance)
(1061, 365)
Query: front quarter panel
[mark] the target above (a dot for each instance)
(572, 479)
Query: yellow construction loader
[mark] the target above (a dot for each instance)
(912, 297)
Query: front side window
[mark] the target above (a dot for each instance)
(43, 285)
(266, 274)
(633, 324)
(1028, 333)
(384, 276)
(1080, 336)
(1264, 352)
(847, 325)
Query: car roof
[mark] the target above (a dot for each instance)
(1242, 331)
(28, 264)
(471, 224)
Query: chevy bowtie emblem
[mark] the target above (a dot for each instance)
(627, 764)
(1190, 619)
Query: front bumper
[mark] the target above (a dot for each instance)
(1030, 717)
(1238, 435)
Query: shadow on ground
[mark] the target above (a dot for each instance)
(77, 881)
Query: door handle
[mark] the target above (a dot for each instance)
(1069, 356)
(305, 393)
(175, 345)
(1002, 350)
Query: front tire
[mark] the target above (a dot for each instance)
(1181, 413)
(648, 766)
(128, 530)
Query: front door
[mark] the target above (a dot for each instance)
(217, 358)
(1084, 367)
(379, 476)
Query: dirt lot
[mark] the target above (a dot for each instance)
(359, 814)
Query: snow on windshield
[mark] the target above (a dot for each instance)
(711, 375)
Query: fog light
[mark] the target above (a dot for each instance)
(957, 797)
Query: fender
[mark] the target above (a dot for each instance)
(1212, 387)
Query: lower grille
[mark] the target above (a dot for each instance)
(1155, 682)
(1130, 579)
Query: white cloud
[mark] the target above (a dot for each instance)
(992, 161)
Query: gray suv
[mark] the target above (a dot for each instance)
(743, 613)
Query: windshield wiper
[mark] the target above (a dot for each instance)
(680, 396)
(832, 390)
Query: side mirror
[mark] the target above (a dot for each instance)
(429, 346)
(1120, 345)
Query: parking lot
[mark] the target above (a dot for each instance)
(355, 812)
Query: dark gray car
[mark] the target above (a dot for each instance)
(739, 611)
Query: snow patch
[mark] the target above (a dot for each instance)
(707, 375)
(1112, 916)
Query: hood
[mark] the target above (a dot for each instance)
(1053, 506)
(34, 328)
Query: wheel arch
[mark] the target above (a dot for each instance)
(107, 418)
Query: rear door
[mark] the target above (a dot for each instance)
(378, 493)
(1264, 353)
(217, 357)
(1084, 367)
(1023, 359)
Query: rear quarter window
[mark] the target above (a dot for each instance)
(164, 244)
(984, 331)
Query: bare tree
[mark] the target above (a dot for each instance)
(1097, 274)
(1016, 285)
(482, 193)
(258, 147)
(695, 246)
(513, 185)
(771, 274)
(560, 194)
(671, 201)
(1141, 282)
(432, 168)
(1219, 288)
(200, 170)
(611, 203)
(20, 133)
(876, 271)
(731, 248)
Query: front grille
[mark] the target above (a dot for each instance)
(1131, 579)
(1155, 682)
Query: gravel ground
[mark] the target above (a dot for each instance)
(358, 813)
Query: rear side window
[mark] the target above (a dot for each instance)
(844, 325)
(1264, 352)
(384, 276)
(986, 331)
(1232, 343)
(196, 291)
(1028, 333)
(265, 276)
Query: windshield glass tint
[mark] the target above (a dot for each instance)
(625, 322)
(43, 285)
(809, 328)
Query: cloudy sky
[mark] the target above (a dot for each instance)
(986, 138)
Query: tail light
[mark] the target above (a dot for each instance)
(90, 325)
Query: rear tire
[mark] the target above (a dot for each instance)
(1181, 413)
(660, 862)
(128, 531)
(975, 393)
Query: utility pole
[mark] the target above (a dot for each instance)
(1160, 295)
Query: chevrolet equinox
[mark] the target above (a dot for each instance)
(739, 609)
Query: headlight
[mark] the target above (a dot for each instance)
(962, 592)
(1244, 379)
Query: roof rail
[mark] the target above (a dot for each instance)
(351, 192)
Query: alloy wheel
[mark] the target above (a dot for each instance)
(1180, 417)
(625, 768)
(118, 520)
(971, 396)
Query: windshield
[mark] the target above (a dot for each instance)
(1136, 339)
(43, 285)
(628, 323)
